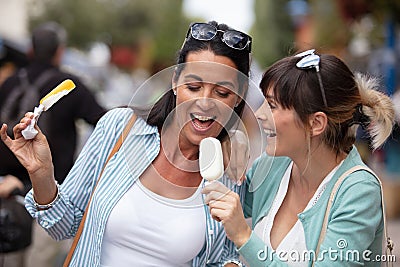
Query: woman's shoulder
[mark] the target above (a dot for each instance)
(116, 115)
(361, 174)
(361, 178)
(267, 171)
(118, 118)
(114, 120)
(265, 163)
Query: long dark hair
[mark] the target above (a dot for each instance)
(166, 104)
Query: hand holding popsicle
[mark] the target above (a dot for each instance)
(47, 102)
(224, 204)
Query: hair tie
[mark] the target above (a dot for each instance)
(360, 118)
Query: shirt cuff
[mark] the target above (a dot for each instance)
(256, 252)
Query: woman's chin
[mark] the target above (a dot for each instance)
(271, 150)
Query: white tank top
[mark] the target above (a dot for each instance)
(146, 229)
(293, 246)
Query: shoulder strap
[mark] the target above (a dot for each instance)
(24, 96)
(388, 242)
(39, 81)
(32, 89)
(113, 151)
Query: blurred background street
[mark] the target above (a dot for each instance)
(116, 45)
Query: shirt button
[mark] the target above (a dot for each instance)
(45, 224)
(301, 217)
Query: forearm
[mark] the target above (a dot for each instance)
(44, 185)
(258, 254)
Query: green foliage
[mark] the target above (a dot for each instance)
(331, 31)
(118, 22)
(273, 32)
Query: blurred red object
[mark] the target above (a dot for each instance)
(123, 56)
(354, 9)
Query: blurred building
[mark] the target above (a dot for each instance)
(14, 20)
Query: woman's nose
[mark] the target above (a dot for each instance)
(205, 101)
(262, 112)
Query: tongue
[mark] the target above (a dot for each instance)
(203, 124)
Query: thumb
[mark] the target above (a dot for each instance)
(4, 137)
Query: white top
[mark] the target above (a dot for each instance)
(293, 246)
(146, 229)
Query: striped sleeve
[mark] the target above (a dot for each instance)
(61, 221)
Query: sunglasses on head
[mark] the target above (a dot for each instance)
(232, 38)
(310, 60)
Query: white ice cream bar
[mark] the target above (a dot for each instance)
(211, 159)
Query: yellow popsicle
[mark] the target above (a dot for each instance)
(46, 102)
(61, 90)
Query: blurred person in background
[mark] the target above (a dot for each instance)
(12, 57)
(17, 96)
(15, 231)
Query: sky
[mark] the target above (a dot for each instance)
(237, 14)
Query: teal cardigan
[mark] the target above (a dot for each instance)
(355, 226)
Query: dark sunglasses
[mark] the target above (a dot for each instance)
(232, 38)
(310, 60)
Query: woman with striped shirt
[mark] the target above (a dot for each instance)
(147, 209)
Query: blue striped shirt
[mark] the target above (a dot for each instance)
(137, 152)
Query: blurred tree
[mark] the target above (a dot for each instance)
(335, 20)
(331, 31)
(382, 9)
(273, 31)
(118, 22)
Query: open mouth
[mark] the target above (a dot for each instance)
(201, 122)
(269, 133)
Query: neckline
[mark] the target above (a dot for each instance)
(166, 200)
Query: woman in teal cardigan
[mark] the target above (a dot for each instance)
(313, 106)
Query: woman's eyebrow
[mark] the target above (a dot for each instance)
(198, 78)
(269, 97)
(193, 76)
(226, 84)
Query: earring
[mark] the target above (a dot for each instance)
(174, 92)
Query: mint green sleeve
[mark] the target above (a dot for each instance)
(258, 254)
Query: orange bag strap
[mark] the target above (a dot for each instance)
(116, 147)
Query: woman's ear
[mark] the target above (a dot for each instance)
(238, 100)
(173, 81)
(318, 123)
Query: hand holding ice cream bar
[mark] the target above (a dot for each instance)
(45, 103)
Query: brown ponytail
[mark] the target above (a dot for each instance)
(377, 107)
